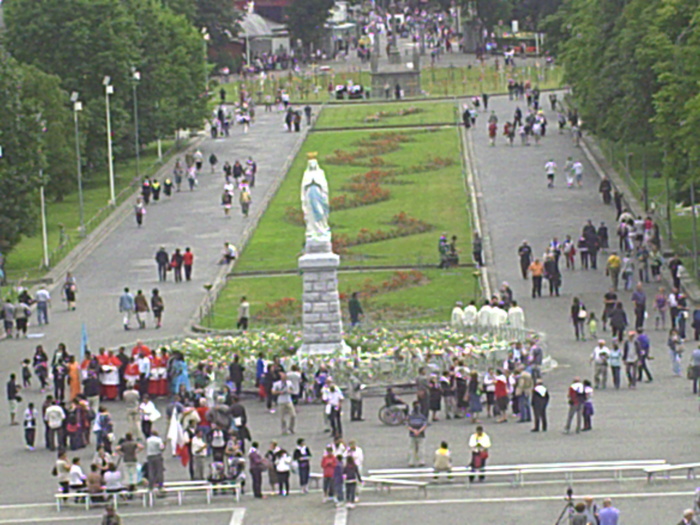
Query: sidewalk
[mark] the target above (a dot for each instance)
(125, 256)
(519, 206)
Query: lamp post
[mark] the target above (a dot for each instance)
(44, 232)
(136, 77)
(205, 45)
(78, 106)
(42, 200)
(109, 90)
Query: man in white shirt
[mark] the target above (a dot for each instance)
(457, 319)
(284, 389)
(43, 301)
(333, 398)
(470, 313)
(550, 169)
(516, 317)
(154, 452)
(599, 358)
(144, 364)
(54, 417)
(199, 454)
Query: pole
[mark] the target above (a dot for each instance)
(247, 49)
(44, 234)
(160, 149)
(668, 205)
(646, 180)
(110, 160)
(695, 226)
(79, 171)
(136, 126)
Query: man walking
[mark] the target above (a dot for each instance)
(283, 389)
(537, 271)
(644, 350)
(417, 423)
(187, 262)
(540, 400)
(525, 254)
(575, 397)
(612, 269)
(43, 301)
(630, 355)
(154, 452)
(127, 306)
(639, 299)
(355, 398)
(162, 259)
(599, 358)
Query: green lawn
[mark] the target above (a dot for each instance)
(441, 80)
(24, 261)
(437, 197)
(431, 301)
(386, 115)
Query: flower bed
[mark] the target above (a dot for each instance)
(397, 352)
(405, 226)
(403, 112)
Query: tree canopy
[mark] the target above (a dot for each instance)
(306, 21)
(633, 68)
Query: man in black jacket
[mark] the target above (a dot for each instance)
(162, 258)
(540, 400)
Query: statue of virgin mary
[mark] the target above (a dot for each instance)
(314, 202)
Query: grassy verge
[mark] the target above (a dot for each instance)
(24, 262)
(632, 162)
(277, 299)
(442, 80)
(435, 196)
(386, 115)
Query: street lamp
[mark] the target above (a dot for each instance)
(78, 106)
(136, 77)
(42, 201)
(205, 45)
(109, 90)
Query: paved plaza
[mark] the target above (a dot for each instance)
(655, 421)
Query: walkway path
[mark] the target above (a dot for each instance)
(126, 258)
(519, 206)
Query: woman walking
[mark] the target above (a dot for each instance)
(675, 351)
(474, 392)
(618, 321)
(176, 265)
(578, 318)
(70, 288)
(139, 211)
(245, 199)
(157, 307)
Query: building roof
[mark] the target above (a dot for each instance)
(254, 25)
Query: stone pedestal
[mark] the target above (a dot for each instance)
(322, 324)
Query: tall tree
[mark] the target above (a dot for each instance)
(306, 20)
(43, 93)
(21, 158)
(81, 41)
(172, 67)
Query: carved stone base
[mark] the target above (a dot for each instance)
(322, 324)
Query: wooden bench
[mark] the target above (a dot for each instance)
(316, 478)
(389, 482)
(100, 498)
(456, 473)
(688, 467)
(538, 466)
(181, 490)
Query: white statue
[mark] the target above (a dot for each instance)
(314, 202)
